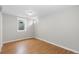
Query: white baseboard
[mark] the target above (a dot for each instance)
(58, 45)
(16, 40)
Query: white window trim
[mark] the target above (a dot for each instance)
(25, 26)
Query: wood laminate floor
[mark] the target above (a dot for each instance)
(32, 46)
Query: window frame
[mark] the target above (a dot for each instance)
(24, 20)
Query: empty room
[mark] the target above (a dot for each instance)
(39, 29)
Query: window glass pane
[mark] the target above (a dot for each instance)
(21, 25)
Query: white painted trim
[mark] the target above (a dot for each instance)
(57, 45)
(16, 40)
(24, 20)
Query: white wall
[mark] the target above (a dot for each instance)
(0, 30)
(10, 29)
(61, 28)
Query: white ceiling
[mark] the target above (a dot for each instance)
(40, 10)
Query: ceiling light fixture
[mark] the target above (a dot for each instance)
(30, 13)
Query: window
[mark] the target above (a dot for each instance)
(21, 24)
